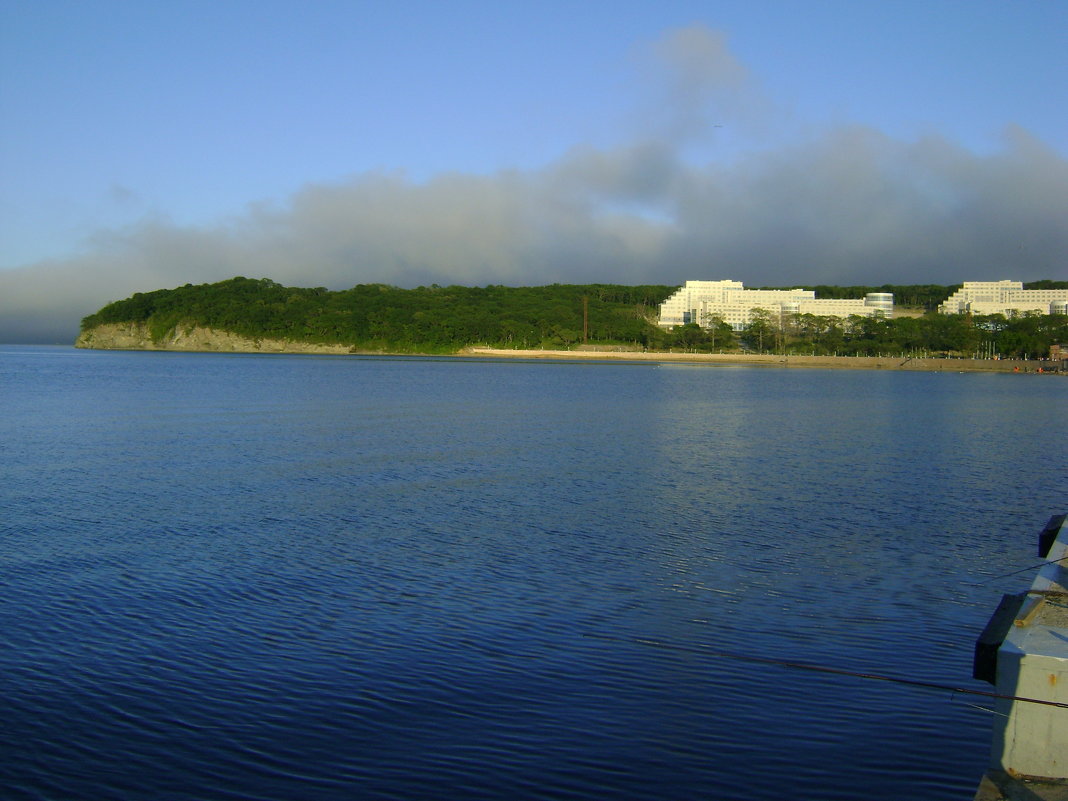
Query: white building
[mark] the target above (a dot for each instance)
(1004, 297)
(699, 301)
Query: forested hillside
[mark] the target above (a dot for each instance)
(380, 317)
(435, 319)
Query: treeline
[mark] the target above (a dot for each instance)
(439, 319)
(1046, 285)
(380, 317)
(920, 296)
(1026, 336)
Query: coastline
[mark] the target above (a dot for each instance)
(775, 360)
(133, 336)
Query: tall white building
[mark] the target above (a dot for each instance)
(699, 301)
(1004, 297)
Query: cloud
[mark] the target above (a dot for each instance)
(699, 84)
(850, 206)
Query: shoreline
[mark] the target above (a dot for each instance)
(134, 336)
(775, 360)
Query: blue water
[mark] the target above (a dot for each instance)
(276, 577)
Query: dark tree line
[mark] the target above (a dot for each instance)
(377, 316)
(933, 334)
(918, 296)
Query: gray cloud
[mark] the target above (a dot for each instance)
(849, 206)
(699, 84)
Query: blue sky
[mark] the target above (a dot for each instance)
(332, 143)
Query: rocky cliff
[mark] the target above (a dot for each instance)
(135, 336)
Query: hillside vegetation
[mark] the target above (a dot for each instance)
(377, 317)
(380, 317)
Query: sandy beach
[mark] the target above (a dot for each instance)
(772, 360)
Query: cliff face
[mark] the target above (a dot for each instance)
(135, 336)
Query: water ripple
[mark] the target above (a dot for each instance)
(250, 578)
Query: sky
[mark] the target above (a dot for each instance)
(320, 143)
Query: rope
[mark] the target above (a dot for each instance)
(764, 660)
(1021, 570)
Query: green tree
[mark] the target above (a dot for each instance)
(760, 331)
(718, 332)
(690, 336)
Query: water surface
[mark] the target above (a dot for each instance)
(299, 577)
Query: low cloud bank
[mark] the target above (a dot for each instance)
(848, 206)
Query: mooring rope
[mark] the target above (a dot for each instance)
(1021, 570)
(765, 660)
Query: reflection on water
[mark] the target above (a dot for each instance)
(299, 577)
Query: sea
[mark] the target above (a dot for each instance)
(274, 577)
